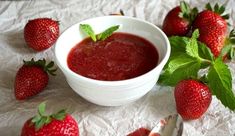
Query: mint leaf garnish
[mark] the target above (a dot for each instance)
(220, 83)
(89, 31)
(102, 36)
(108, 32)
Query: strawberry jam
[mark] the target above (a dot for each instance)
(121, 56)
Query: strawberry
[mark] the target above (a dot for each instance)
(59, 124)
(41, 33)
(140, 132)
(178, 20)
(212, 27)
(32, 78)
(192, 99)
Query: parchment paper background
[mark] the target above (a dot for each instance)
(93, 120)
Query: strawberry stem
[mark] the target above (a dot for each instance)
(217, 9)
(41, 119)
(42, 63)
(187, 13)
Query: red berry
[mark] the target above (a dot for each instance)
(173, 24)
(140, 132)
(32, 78)
(59, 124)
(192, 99)
(213, 29)
(41, 33)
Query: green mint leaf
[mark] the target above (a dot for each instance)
(179, 68)
(226, 49)
(178, 45)
(108, 32)
(220, 83)
(88, 30)
(205, 52)
(42, 108)
(192, 46)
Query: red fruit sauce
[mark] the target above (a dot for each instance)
(121, 56)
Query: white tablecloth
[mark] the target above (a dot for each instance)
(93, 120)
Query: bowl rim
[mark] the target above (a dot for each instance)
(118, 82)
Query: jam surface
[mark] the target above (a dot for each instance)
(121, 56)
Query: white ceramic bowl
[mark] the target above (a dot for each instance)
(112, 93)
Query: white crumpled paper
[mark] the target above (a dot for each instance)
(93, 120)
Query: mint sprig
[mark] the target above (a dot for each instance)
(108, 32)
(101, 36)
(220, 78)
(89, 31)
(188, 56)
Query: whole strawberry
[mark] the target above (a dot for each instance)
(212, 26)
(178, 20)
(192, 99)
(41, 33)
(32, 78)
(59, 124)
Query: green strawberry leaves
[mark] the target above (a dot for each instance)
(42, 63)
(186, 12)
(41, 119)
(188, 56)
(217, 9)
(101, 36)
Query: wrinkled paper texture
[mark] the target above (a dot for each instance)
(93, 120)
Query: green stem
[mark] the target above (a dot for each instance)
(205, 61)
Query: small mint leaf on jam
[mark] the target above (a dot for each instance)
(89, 31)
(108, 32)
